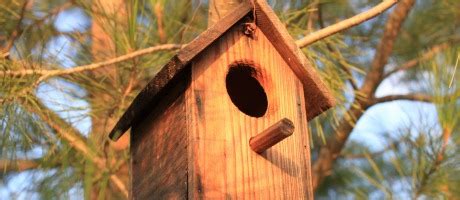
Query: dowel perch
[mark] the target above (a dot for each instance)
(272, 135)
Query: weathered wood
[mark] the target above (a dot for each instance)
(190, 141)
(222, 165)
(272, 135)
(317, 96)
(159, 149)
(148, 97)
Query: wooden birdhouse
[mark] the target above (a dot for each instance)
(227, 116)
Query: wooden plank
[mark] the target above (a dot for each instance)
(149, 96)
(159, 149)
(317, 97)
(222, 164)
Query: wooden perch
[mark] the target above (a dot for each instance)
(272, 135)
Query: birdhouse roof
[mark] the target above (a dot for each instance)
(317, 97)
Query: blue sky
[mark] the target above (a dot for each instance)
(391, 116)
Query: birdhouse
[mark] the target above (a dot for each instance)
(227, 116)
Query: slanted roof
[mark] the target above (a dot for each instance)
(317, 97)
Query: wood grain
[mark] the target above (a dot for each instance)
(151, 94)
(317, 96)
(159, 149)
(222, 165)
(272, 135)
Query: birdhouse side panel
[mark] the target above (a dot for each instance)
(240, 87)
(159, 150)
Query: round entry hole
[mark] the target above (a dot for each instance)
(245, 91)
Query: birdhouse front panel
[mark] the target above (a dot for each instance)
(240, 86)
(227, 116)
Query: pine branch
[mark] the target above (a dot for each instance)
(158, 11)
(329, 153)
(47, 73)
(69, 134)
(17, 31)
(62, 128)
(22, 165)
(439, 159)
(385, 48)
(346, 24)
(120, 185)
(411, 97)
(18, 165)
(351, 79)
(320, 16)
(455, 70)
(414, 62)
(393, 145)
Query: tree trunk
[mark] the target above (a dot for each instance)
(109, 17)
(103, 48)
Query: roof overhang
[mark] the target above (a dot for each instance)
(317, 97)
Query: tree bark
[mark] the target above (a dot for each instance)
(385, 48)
